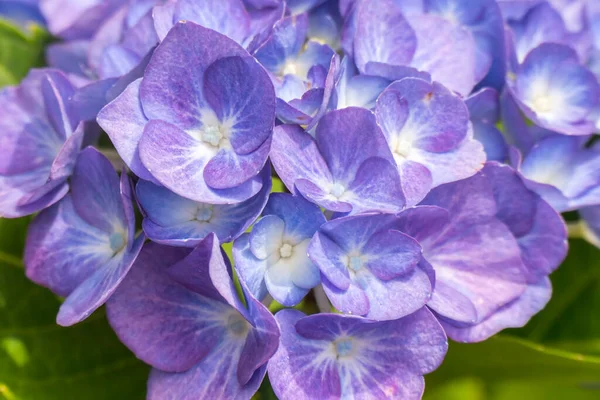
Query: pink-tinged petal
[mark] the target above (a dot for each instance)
(476, 256)
(483, 265)
(395, 298)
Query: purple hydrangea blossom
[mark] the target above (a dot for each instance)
(483, 19)
(555, 91)
(218, 348)
(200, 121)
(241, 21)
(428, 131)
(476, 259)
(77, 19)
(332, 356)
(346, 168)
(491, 256)
(83, 246)
(123, 40)
(369, 268)
(384, 34)
(41, 137)
(115, 56)
(541, 235)
(273, 257)
(563, 172)
(378, 116)
(303, 73)
(174, 220)
(544, 24)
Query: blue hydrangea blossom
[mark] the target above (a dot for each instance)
(426, 149)
(273, 258)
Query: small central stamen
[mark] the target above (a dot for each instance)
(343, 347)
(355, 263)
(204, 213)
(403, 148)
(117, 242)
(237, 324)
(290, 68)
(337, 190)
(286, 250)
(542, 104)
(212, 134)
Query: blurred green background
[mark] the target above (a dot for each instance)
(556, 356)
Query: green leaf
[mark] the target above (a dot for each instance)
(20, 50)
(40, 360)
(511, 358)
(475, 389)
(573, 313)
(501, 366)
(278, 186)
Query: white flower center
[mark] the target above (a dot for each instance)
(117, 242)
(289, 68)
(337, 190)
(402, 149)
(286, 250)
(355, 263)
(204, 213)
(213, 132)
(343, 347)
(542, 104)
(237, 325)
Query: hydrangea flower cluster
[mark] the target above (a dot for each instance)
(426, 149)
